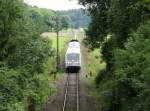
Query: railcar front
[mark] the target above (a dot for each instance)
(73, 60)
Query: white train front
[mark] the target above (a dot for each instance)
(73, 57)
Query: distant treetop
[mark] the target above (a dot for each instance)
(79, 17)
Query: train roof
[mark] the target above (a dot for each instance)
(74, 40)
(74, 44)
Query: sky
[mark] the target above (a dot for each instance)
(55, 4)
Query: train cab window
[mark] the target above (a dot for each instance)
(73, 57)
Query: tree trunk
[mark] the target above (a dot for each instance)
(31, 104)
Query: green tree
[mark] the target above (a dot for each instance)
(10, 19)
(132, 72)
(78, 17)
(42, 18)
(125, 16)
(23, 54)
(123, 84)
(97, 30)
(117, 18)
(65, 20)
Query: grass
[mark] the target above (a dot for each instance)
(93, 64)
(52, 36)
(62, 41)
(93, 61)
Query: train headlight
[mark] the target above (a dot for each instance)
(77, 63)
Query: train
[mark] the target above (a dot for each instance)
(73, 57)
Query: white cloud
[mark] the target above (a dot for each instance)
(55, 4)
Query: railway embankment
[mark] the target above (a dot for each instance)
(92, 64)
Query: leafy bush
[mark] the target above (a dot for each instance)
(101, 76)
(127, 88)
(132, 65)
(31, 53)
(10, 90)
(23, 54)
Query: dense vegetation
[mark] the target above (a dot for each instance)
(121, 28)
(26, 59)
(78, 17)
(48, 20)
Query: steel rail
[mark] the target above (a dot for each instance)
(66, 92)
(77, 92)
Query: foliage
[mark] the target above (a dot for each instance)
(10, 14)
(129, 15)
(30, 53)
(60, 22)
(98, 27)
(23, 56)
(124, 85)
(66, 22)
(132, 68)
(41, 17)
(116, 18)
(130, 88)
(100, 77)
(10, 91)
(48, 19)
(79, 18)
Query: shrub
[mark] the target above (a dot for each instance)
(127, 87)
(10, 90)
(132, 69)
(101, 76)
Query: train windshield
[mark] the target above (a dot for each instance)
(73, 57)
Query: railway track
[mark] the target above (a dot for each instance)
(71, 98)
